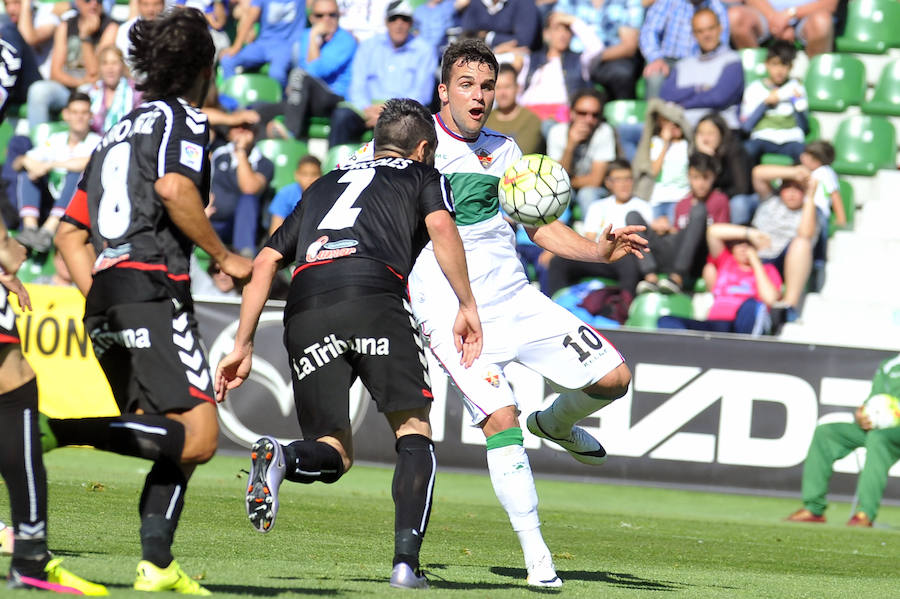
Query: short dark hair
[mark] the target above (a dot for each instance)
(507, 68)
(821, 150)
(77, 96)
(466, 51)
(171, 51)
(591, 92)
(403, 123)
(704, 163)
(309, 159)
(783, 50)
(619, 164)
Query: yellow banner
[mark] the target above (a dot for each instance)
(70, 381)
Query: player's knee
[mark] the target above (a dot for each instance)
(612, 386)
(199, 451)
(818, 26)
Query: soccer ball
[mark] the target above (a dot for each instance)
(883, 410)
(535, 190)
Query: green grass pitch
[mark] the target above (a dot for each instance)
(336, 540)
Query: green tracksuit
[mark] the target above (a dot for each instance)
(833, 441)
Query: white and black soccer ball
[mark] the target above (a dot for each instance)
(535, 190)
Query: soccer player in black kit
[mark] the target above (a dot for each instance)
(355, 237)
(126, 238)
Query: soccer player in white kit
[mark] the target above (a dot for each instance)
(520, 324)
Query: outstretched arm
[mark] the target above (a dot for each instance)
(12, 253)
(610, 246)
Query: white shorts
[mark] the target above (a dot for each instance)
(532, 330)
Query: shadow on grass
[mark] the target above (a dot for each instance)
(76, 552)
(626, 581)
(238, 589)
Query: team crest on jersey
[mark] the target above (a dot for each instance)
(484, 157)
(492, 376)
(322, 249)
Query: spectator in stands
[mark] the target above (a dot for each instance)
(667, 36)
(835, 440)
(363, 18)
(551, 76)
(240, 176)
(825, 189)
(279, 22)
(584, 147)
(28, 65)
(432, 19)
(661, 161)
(113, 95)
(678, 249)
(308, 170)
(507, 26)
(745, 286)
(212, 282)
(36, 23)
(618, 24)
(774, 109)
(55, 166)
(811, 22)
(510, 118)
(612, 210)
(146, 9)
(73, 60)
(217, 17)
(60, 276)
(713, 137)
(711, 80)
(391, 65)
(320, 77)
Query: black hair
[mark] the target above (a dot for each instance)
(466, 51)
(619, 164)
(783, 50)
(820, 150)
(77, 96)
(507, 68)
(403, 123)
(591, 92)
(724, 132)
(704, 163)
(309, 159)
(171, 52)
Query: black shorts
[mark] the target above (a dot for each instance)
(371, 336)
(152, 355)
(9, 334)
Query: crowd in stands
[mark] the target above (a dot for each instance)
(687, 165)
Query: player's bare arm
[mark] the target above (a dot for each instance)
(610, 246)
(448, 250)
(13, 284)
(185, 208)
(72, 243)
(12, 253)
(234, 368)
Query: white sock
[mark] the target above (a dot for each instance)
(566, 410)
(514, 486)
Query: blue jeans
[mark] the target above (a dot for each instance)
(43, 97)
(259, 52)
(29, 194)
(236, 221)
(755, 148)
(752, 318)
(742, 207)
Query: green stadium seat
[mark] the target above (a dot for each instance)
(886, 98)
(618, 112)
(815, 130)
(336, 154)
(40, 133)
(319, 127)
(864, 145)
(284, 154)
(872, 27)
(834, 82)
(779, 159)
(640, 89)
(646, 309)
(6, 133)
(754, 62)
(248, 88)
(849, 209)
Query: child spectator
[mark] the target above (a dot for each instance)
(113, 95)
(510, 118)
(745, 287)
(308, 170)
(713, 138)
(661, 160)
(774, 109)
(55, 166)
(825, 190)
(678, 250)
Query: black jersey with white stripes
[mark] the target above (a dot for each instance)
(10, 64)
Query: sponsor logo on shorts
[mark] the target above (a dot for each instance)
(322, 249)
(319, 354)
(130, 338)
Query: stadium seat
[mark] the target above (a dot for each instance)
(754, 62)
(646, 309)
(6, 133)
(815, 130)
(336, 154)
(284, 154)
(864, 145)
(319, 127)
(248, 88)
(886, 98)
(871, 27)
(40, 133)
(630, 112)
(779, 159)
(834, 82)
(640, 89)
(849, 209)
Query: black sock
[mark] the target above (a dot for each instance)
(310, 461)
(160, 508)
(22, 467)
(412, 491)
(147, 436)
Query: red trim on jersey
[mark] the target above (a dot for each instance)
(184, 277)
(9, 339)
(201, 395)
(307, 265)
(447, 130)
(427, 394)
(78, 209)
(148, 266)
(398, 275)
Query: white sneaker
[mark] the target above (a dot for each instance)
(266, 473)
(403, 577)
(542, 573)
(580, 444)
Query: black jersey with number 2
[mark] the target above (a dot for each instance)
(363, 225)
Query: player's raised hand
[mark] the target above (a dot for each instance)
(467, 335)
(12, 283)
(232, 371)
(615, 245)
